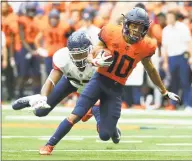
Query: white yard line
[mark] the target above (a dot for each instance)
(124, 111)
(35, 118)
(175, 144)
(132, 121)
(122, 141)
(111, 150)
(156, 121)
(95, 136)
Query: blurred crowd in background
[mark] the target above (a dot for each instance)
(33, 31)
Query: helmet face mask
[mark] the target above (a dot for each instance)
(79, 57)
(133, 32)
(135, 25)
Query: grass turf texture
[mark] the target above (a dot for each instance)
(21, 139)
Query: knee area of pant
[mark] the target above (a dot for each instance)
(40, 113)
(104, 135)
(73, 119)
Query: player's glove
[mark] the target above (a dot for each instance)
(100, 60)
(39, 102)
(172, 96)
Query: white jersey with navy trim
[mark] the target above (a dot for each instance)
(62, 60)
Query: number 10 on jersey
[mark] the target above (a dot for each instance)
(118, 71)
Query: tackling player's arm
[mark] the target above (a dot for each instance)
(54, 76)
(154, 76)
(40, 101)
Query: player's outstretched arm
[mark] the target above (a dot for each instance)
(53, 78)
(41, 101)
(154, 76)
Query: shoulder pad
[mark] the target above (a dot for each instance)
(108, 33)
(61, 58)
(149, 46)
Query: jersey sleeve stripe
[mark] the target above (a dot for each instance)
(55, 67)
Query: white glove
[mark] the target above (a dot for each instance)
(39, 102)
(172, 96)
(42, 52)
(99, 61)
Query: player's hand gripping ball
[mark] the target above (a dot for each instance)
(104, 58)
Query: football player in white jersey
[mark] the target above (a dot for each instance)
(71, 71)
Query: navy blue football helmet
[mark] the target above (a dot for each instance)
(137, 16)
(54, 17)
(31, 8)
(79, 45)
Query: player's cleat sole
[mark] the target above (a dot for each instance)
(87, 116)
(116, 137)
(21, 103)
(46, 150)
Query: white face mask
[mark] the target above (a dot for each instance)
(79, 57)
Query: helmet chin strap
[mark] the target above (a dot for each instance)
(129, 39)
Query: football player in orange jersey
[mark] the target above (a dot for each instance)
(11, 30)
(29, 60)
(128, 45)
(54, 35)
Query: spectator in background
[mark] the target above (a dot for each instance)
(176, 42)
(29, 60)
(77, 6)
(60, 6)
(75, 19)
(88, 26)
(104, 14)
(54, 36)
(11, 31)
(189, 107)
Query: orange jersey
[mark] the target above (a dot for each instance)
(125, 57)
(41, 22)
(30, 28)
(10, 26)
(54, 37)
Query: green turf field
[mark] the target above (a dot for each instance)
(146, 135)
